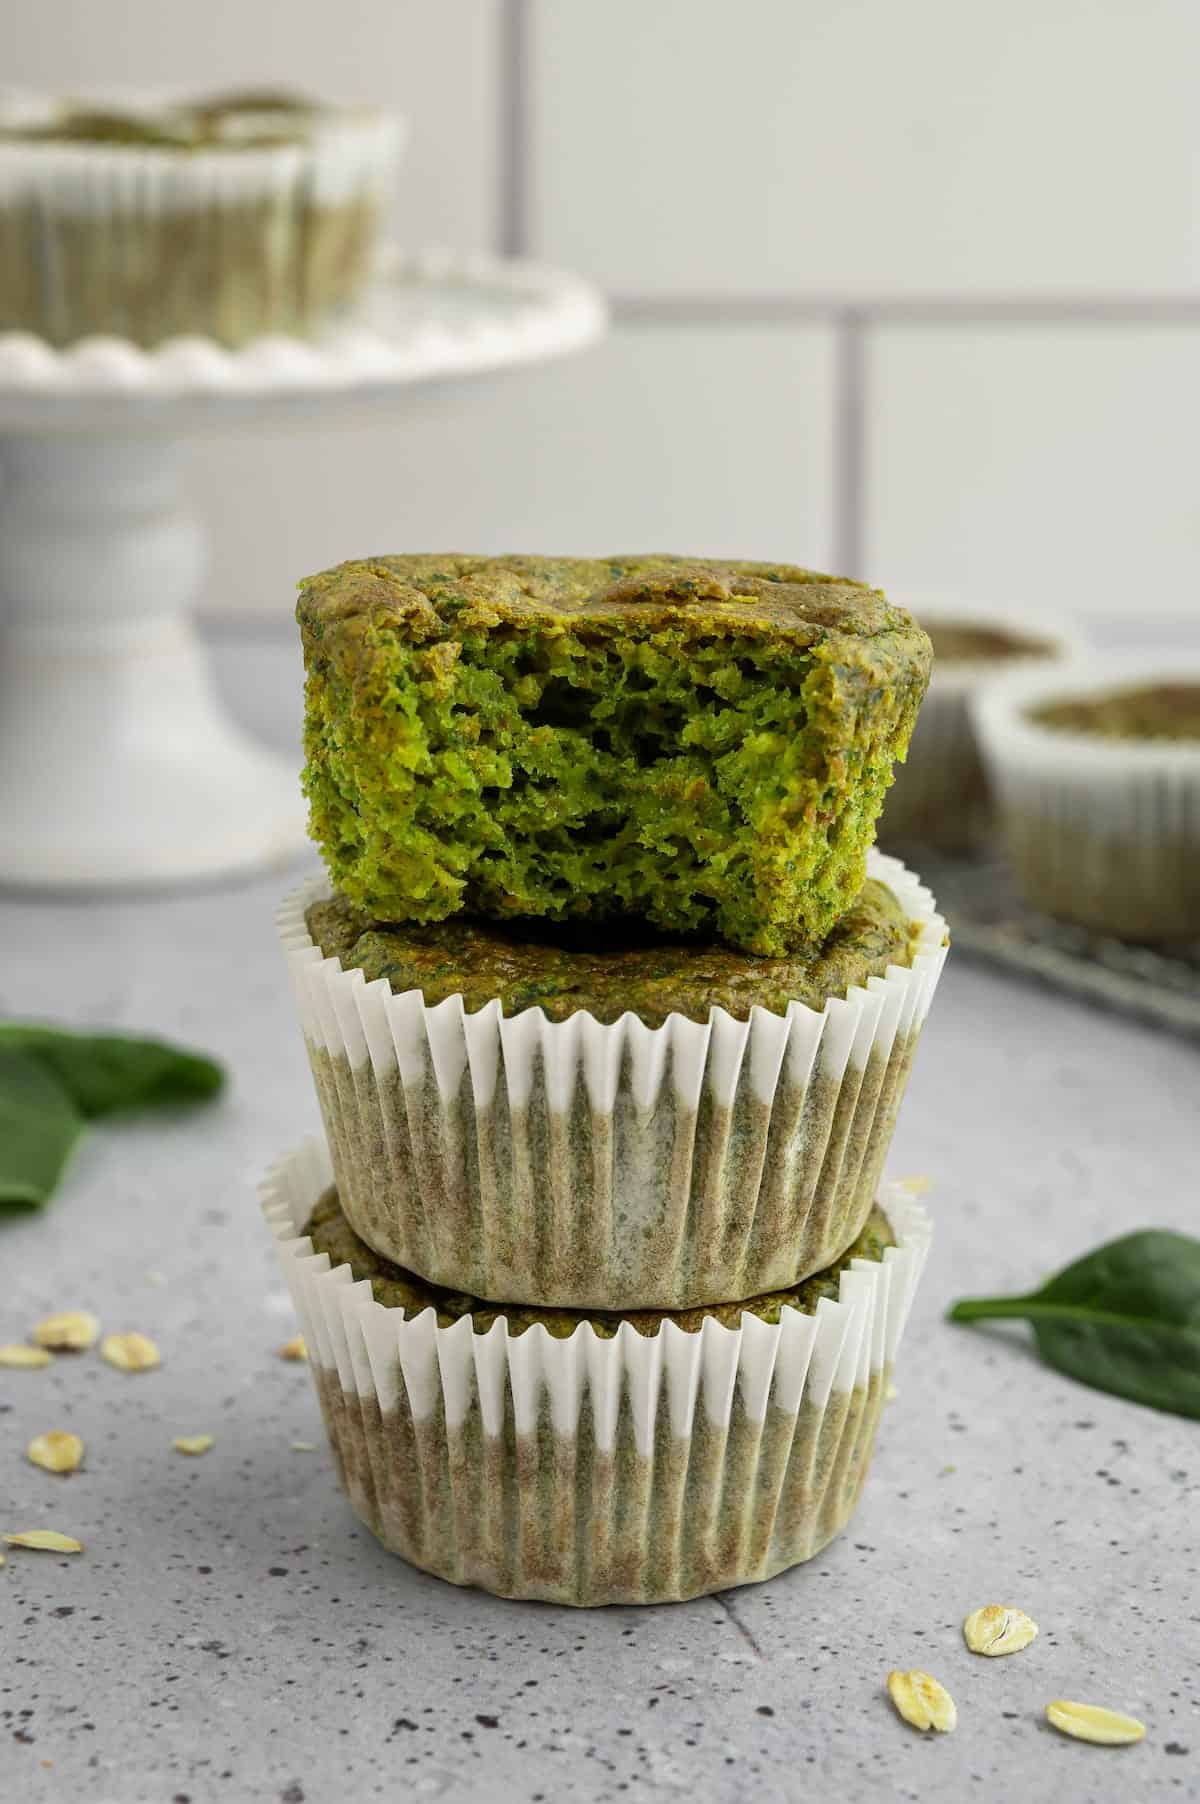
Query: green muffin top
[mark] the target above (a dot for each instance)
(608, 972)
(396, 1288)
(968, 642)
(245, 119)
(256, 100)
(1142, 711)
(434, 597)
(700, 745)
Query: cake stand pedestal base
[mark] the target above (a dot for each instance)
(117, 764)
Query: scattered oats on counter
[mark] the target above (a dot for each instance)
(921, 1701)
(55, 1451)
(1091, 1722)
(192, 1443)
(17, 1354)
(294, 1348)
(915, 1186)
(998, 1629)
(131, 1352)
(69, 1330)
(304, 1446)
(45, 1540)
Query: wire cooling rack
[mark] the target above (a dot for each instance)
(989, 921)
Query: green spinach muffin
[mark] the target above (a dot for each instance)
(654, 1123)
(609, 972)
(1097, 773)
(940, 797)
(1151, 711)
(975, 642)
(595, 1463)
(330, 1232)
(704, 746)
(226, 217)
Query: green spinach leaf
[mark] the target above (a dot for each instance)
(1125, 1319)
(107, 1072)
(53, 1082)
(39, 1126)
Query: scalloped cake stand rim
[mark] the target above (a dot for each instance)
(452, 315)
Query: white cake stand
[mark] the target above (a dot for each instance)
(118, 767)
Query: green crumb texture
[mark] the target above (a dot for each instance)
(607, 973)
(1148, 711)
(705, 746)
(396, 1288)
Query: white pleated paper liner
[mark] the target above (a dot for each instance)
(153, 242)
(610, 1167)
(1102, 832)
(637, 1469)
(940, 794)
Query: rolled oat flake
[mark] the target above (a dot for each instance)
(998, 1629)
(922, 1701)
(1092, 1722)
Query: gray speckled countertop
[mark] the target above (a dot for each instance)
(232, 1634)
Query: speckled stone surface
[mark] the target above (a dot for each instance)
(231, 1633)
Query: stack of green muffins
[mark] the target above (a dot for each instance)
(610, 1006)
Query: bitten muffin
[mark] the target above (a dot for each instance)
(595, 1464)
(1097, 771)
(704, 746)
(227, 217)
(940, 797)
(618, 1125)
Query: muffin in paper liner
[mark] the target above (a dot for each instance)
(610, 1167)
(1102, 832)
(637, 1469)
(155, 241)
(940, 795)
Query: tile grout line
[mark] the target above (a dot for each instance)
(849, 442)
(513, 129)
(919, 310)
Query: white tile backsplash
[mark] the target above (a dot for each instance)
(1042, 467)
(865, 147)
(704, 440)
(852, 150)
